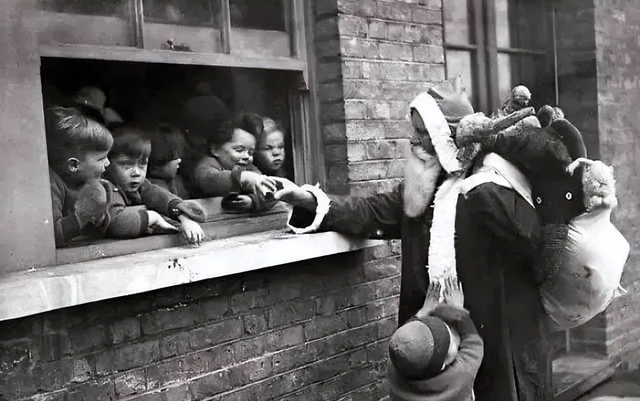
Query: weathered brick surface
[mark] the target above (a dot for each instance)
(288, 332)
(599, 86)
(389, 51)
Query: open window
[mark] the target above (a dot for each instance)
(150, 56)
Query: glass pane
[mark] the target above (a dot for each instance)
(521, 24)
(507, 66)
(260, 27)
(89, 22)
(182, 25)
(459, 63)
(503, 31)
(266, 15)
(457, 21)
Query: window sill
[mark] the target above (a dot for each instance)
(45, 289)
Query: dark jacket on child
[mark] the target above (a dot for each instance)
(128, 221)
(63, 199)
(454, 383)
(175, 186)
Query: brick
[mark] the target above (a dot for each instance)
(82, 370)
(211, 384)
(127, 357)
(290, 312)
(85, 339)
(356, 110)
(382, 308)
(332, 112)
(180, 316)
(229, 329)
(425, 15)
(288, 337)
(395, 51)
(334, 133)
(359, 130)
(428, 54)
(378, 29)
(331, 92)
(353, 26)
(250, 371)
(125, 330)
(329, 71)
(359, 48)
(130, 383)
(378, 149)
(361, 89)
(326, 28)
(324, 8)
(393, 11)
(328, 48)
(366, 170)
(102, 390)
(386, 327)
(323, 326)
(335, 153)
(363, 8)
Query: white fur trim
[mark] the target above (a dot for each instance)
(499, 171)
(322, 208)
(442, 252)
(436, 124)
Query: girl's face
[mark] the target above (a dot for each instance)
(270, 154)
(236, 152)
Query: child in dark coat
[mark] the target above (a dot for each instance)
(129, 156)
(77, 148)
(435, 356)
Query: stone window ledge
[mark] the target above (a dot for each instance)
(44, 289)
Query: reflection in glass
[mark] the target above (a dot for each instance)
(182, 25)
(266, 15)
(87, 22)
(457, 21)
(459, 63)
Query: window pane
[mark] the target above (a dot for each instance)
(503, 31)
(258, 14)
(458, 21)
(507, 64)
(260, 28)
(521, 24)
(99, 22)
(182, 25)
(459, 63)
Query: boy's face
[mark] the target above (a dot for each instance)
(236, 152)
(271, 151)
(90, 166)
(167, 171)
(128, 173)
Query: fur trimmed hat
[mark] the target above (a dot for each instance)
(418, 348)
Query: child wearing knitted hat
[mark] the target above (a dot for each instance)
(435, 356)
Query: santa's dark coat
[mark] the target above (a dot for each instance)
(497, 236)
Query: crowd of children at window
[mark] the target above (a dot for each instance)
(113, 179)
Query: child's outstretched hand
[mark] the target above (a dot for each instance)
(453, 294)
(191, 230)
(257, 183)
(294, 195)
(158, 225)
(431, 301)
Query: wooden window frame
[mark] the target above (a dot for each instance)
(306, 146)
(485, 51)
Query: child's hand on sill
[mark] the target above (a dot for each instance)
(158, 225)
(191, 230)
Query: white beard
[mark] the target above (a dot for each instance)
(420, 177)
